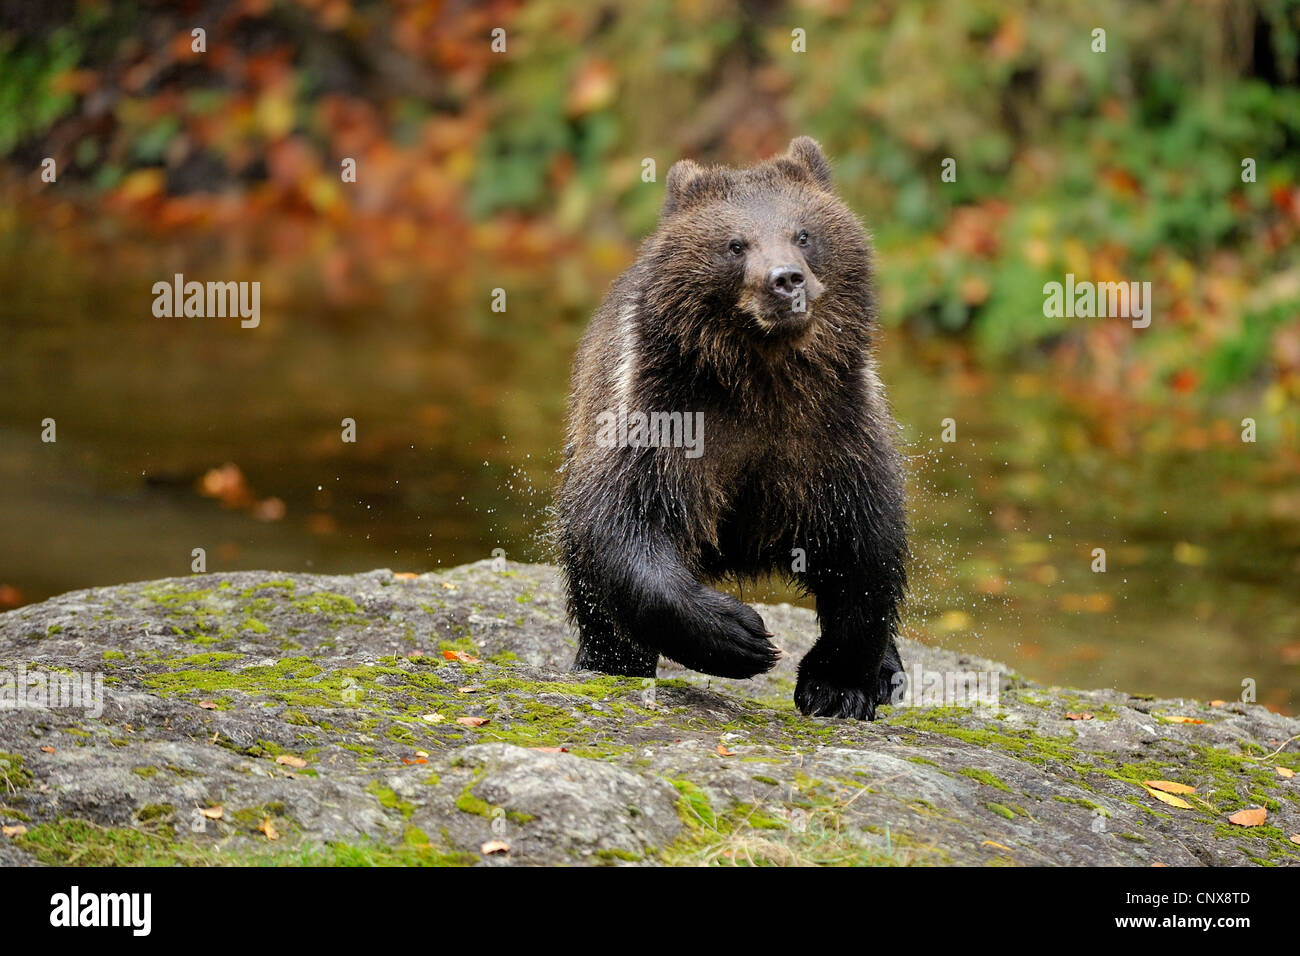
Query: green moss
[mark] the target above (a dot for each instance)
(72, 842)
(693, 805)
(113, 655)
(202, 660)
(613, 853)
(388, 798)
(145, 772)
(13, 775)
(326, 602)
(984, 777)
(1081, 802)
(469, 802)
(1001, 811)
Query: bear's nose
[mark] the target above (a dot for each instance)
(785, 280)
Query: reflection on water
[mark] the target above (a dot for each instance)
(459, 413)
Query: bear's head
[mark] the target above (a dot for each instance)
(768, 253)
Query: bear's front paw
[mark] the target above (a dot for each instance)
(719, 635)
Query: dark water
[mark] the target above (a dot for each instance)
(459, 416)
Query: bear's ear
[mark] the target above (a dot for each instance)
(805, 151)
(680, 176)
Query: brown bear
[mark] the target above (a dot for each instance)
(726, 421)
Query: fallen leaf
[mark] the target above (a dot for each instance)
(207, 705)
(1168, 786)
(449, 586)
(549, 750)
(213, 813)
(289, 760)
(998, 845)
(411, 760)
(1294, 838)
(494, 846)
(432, 718)
(472, 721)
(405, 575)
(1217, 703)
(1179, 719)
(1160, 864)
(268, 828)
(422, 753)
(458, 656)
(1084, 716)
(1253, 817)
(467, 690)
(13, 831)
(723, 751)
(1170, 799)
(1285, 772)
(47, 750)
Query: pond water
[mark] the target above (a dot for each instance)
(176, 434)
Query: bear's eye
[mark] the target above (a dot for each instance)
(737, 247)
(802, 238)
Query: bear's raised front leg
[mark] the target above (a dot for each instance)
(633, 574)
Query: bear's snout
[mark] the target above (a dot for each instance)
(784, 280)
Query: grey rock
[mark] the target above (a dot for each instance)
(374, 718)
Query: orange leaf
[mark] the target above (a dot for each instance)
(1170, 799)
(213, 813)
(1168, 786)
(47, 750)
(1179, 719)
(405, 575)
(494, 846)
(458, 656)
(472, 721)
(1253, 817)
(289, 760)
(13, 831)
(549, 750)
(1294, 838)
(1285, 772)
(723, 751)
(268, 828)
(1083, 716)
(207, 705)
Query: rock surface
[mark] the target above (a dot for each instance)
(380, 718)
